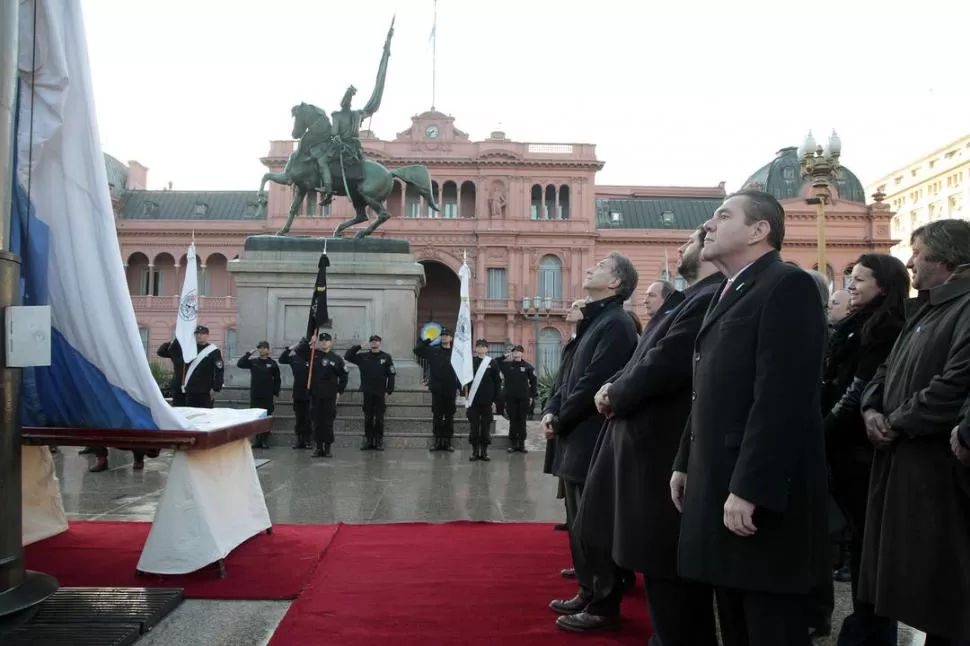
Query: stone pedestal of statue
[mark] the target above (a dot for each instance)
(372, 288)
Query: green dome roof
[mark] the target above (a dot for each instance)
(782, 177)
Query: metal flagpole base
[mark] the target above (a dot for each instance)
(35, 588)
(19, 588)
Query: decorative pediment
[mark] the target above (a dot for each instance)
(499, 154)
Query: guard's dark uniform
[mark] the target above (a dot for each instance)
(207, 376)
(520, 391)
(376, 381)
(299, 361)
(172, 350)
(329, 380)
(443, 384)
(480, 411)
(264, 387)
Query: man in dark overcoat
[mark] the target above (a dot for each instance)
(605, 339)
(916, 546)
(752, 461)
(626, 504)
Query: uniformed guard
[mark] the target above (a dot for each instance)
(484, 389)
(328, 382)
(520, 392)
(173, 351)
(202, 377)
(264, 384)
(376, 381)
(297, 357)
(443, 384)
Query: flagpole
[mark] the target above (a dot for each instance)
(434, 55)
(19, 588)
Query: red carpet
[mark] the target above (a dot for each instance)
(461, 583)
(104, 554)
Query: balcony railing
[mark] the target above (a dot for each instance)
(171, 303)
(514, 306)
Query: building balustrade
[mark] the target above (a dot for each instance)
(549, 306)
(171, 303)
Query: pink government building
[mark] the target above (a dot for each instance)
(529, 215)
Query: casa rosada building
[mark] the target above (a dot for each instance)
(528, 216)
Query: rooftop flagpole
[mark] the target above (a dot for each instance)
(434, 55)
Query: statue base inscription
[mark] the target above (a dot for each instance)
(372, 288)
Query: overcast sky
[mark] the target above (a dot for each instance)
(686, 95)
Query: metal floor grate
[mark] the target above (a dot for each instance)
(87, 634)
(94, 617)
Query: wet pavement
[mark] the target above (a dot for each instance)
(354, 486)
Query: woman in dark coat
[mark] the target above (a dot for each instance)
(859, 343)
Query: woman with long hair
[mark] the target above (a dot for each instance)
(878, 291)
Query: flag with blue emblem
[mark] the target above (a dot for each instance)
(64, 231)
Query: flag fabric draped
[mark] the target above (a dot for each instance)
(188, 315)
(461, 353)
(319, 316)
(63, 229)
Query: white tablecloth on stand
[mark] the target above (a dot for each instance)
(43, 508)
(212, 503)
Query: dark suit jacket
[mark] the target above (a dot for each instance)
(626, 504)
(755, 430)
(605, 339)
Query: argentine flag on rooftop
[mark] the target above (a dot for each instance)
(64, 232)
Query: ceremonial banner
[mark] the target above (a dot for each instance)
(63, 228)
(319, 316)
(461, 353)
(188, 315)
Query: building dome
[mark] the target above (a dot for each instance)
(117, 175)
(782, 178)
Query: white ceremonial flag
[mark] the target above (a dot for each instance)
(461, 353)
(188, 314)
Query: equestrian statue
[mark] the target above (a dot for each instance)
(330, 151)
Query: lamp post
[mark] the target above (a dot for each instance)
(821, 166)
(535, 310)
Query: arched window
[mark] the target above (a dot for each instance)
(548, 351)
(549, 283)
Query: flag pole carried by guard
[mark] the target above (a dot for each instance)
(319, 316)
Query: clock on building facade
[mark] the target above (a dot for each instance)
(431, 132)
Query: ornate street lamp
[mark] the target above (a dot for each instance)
(821, 166)
(535, 310)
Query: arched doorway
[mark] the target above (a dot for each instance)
(440, 297)
(548, 352)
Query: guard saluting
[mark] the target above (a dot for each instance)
(443, 384)
(264, 384)
(327, 383)
(376, 380)
(202, 376)
(297, 357)
(485, 388)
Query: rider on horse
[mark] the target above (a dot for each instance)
(343, 147)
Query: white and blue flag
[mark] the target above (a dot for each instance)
(63, 229)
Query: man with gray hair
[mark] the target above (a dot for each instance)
(605, 340)
(916, 547)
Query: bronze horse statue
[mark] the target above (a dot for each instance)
(303, 174)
